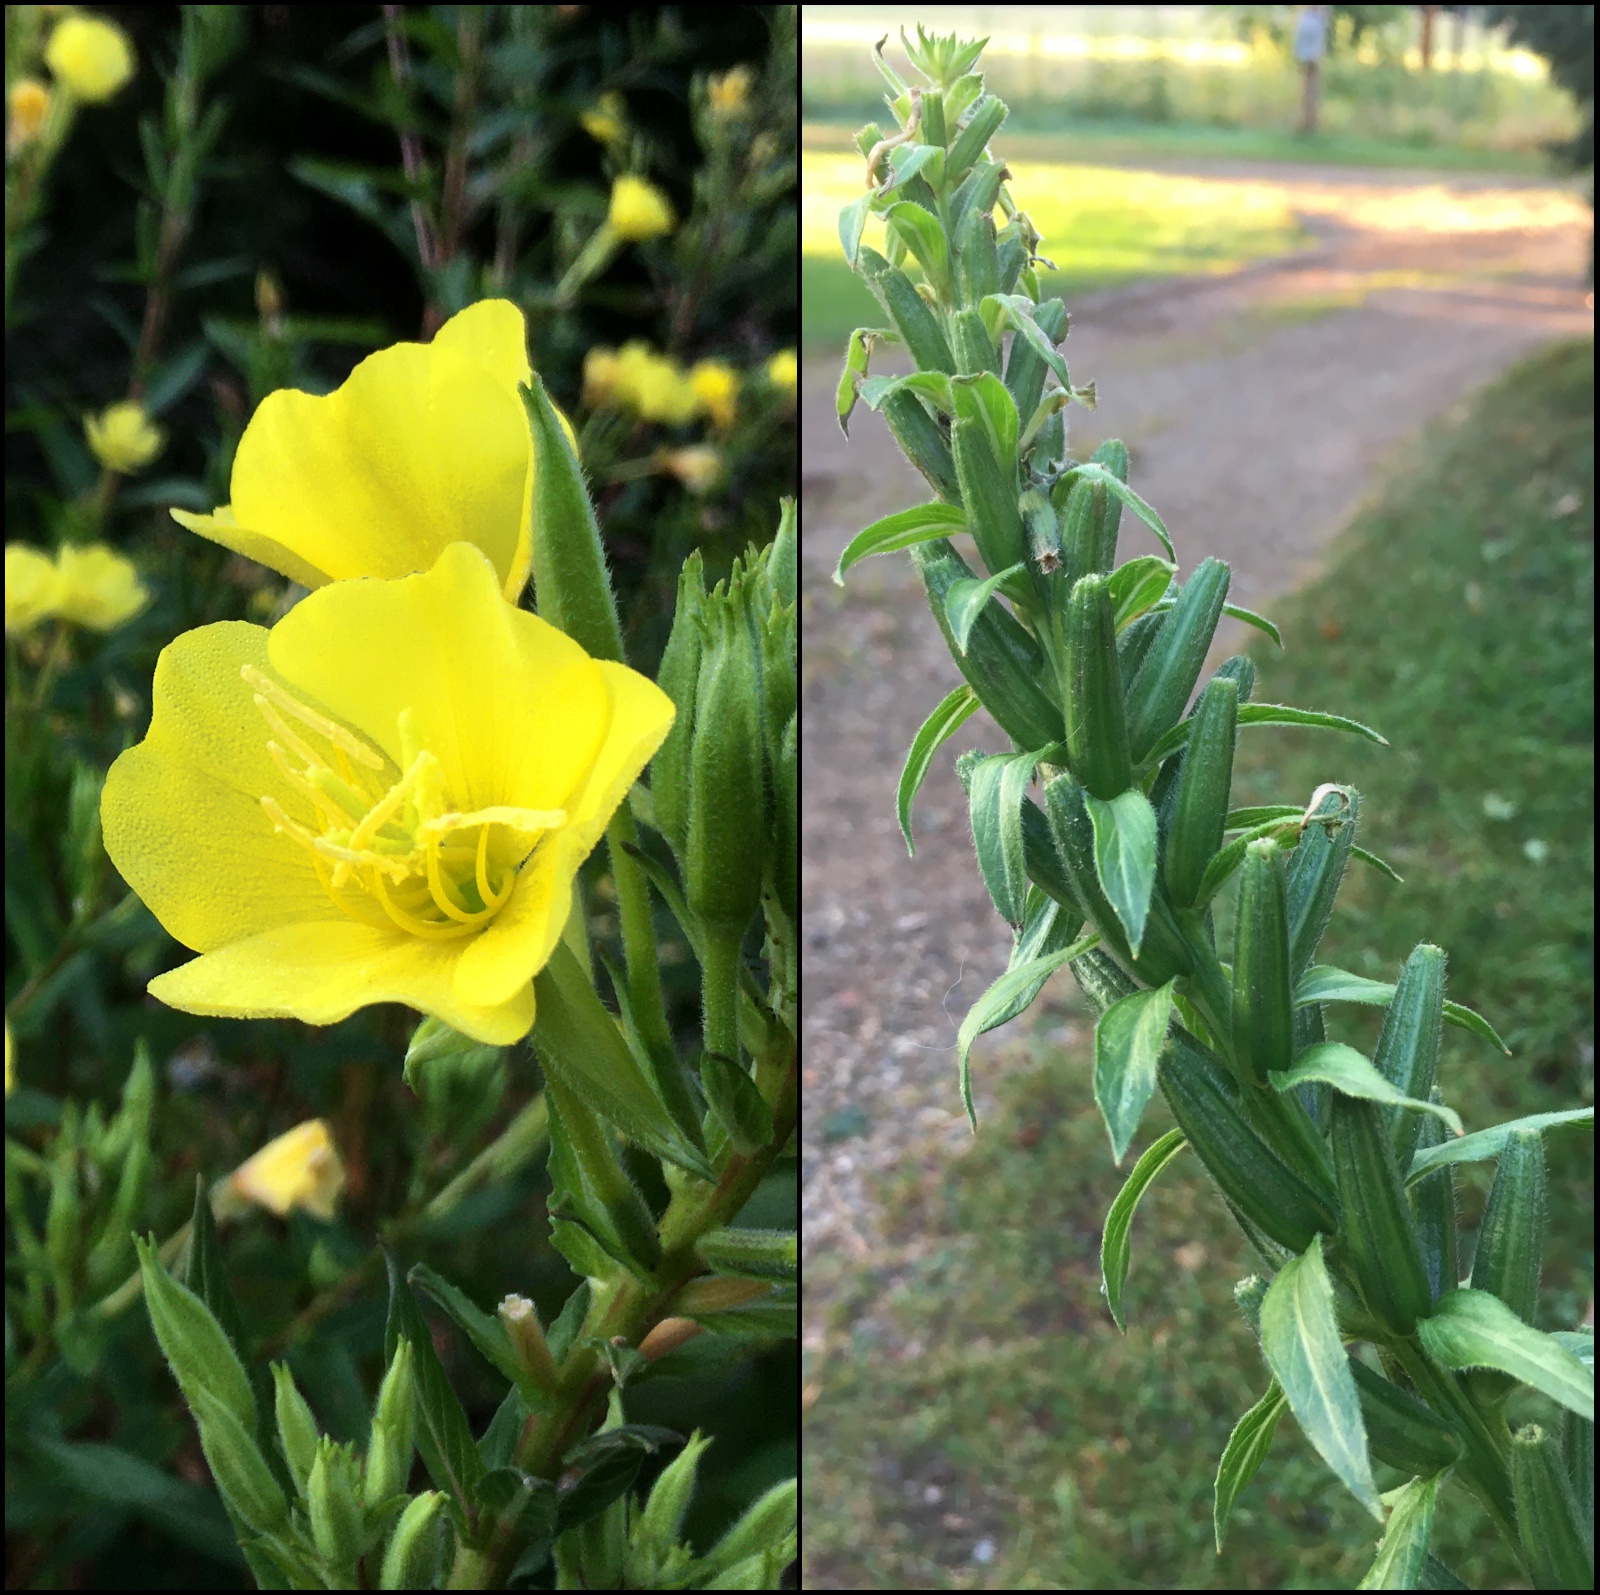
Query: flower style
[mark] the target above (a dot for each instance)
(423, 445)
(385, 798)
(716, 386)
(639, 210)
(123, 437)
(301, 1168)
(90, 57)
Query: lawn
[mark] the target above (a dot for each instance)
(975, 1420)
(1103, 226)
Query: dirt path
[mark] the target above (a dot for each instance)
(1257, 409)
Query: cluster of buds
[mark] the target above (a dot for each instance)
(1336, 1165)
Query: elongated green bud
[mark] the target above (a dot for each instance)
(1577, 1457)
(1401, 1431)
(1043, 532)
(238, 1467)
(1097, 734)
(1408, 1046)
(1084, 547)
(1241, 668)
(1315, 872)
(726, 838)
(1136, 640)
(779, 687)
(784, 563)
(679, 677)
(1001, 661)
(658, 1526)
(923, 443)
(785, 856)
(64, 1221)
(983, 122)
(751, 1253)
(917, 325)
(1263, 1003)
(571, 582)
(932, 130)
(298, 1434)
(1433, 1204)
(109, 1257)
(767, 1525)
(197, 1350)
(413, 1553)
(1160, 692)
(987, 495)
(334, 1507)
(975, 350)
(1379, 1233)
(1555, 1549)
(1013, 256)
(1249, 1295)
(1205, 1102)
(977, 262)
(1204, 782)
(1511, 1242)
(393, 1424)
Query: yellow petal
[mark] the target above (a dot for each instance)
(221, 527)
(33, 587)
(301, 1168)
(513, 709)
(322, 972)
(182, 811)
(641, 716)
(99, 588)
(90, 56)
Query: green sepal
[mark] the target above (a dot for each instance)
(1433, 1205)
(1315, 871)
(983, 122)
(1555, 1549)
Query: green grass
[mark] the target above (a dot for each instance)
(1102, 227)
(971, 1393)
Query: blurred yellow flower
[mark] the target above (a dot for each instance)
(99, 588)
(698, 467)
(654, 386)
(32, 585)
(639, 209)
(607, 119)
(730, 93)
(716, 386)
(123, 437)
(601, 369)
(386, 798)
(302, 1168)
(422, 446)
(10, 1077)
(782, 371)
(90, 57)
(30, 101)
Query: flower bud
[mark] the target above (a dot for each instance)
(90, 57)
(678, 678)
(300, 1169)
(607, 119)
(532, 1350)
(393, 1422)
(767, 1525)
(123, 437)
(785, 859)
(297, 1428)
(63, 1225)
(335, 1509)
(409, 1563)
(238, 1467)
(658, 1526)
(639, 210)
(727, 801)
(729, 93)
(783, 563)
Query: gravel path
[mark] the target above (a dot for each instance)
(1257, 409)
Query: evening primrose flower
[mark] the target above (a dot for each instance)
(698, 467)
(300, 1169)
(99, 588)
(730, 92)
(386, 798)
(90, 57)
(607, 119)
(33, 584)
(29, 104)
(783, 371)
(716, 386)
(639, 210)
(422, 446)
(123, 437)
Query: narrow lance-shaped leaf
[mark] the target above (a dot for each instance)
(1114, 1248)
(966, 599)
(1482, 1145)
(1346, 1070)
(1125, 857)
(998, 788)
(1472, 1329)
(1259, 714)
(1325, 983)
(900, 530)
(1403, 1551)
(1243, 1455)
(1127, 1045)
(935, 731)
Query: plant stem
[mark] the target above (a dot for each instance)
(638, 936)
(719, 952)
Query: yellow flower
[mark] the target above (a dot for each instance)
(385, 798)
(10, 1076)
(655, 386)
(699, 467)
(716, 386)
(639, 209)
(99, 588)
(730, 93)
(30, 101)
(124, 438)
(423, 445)
(90, 57)
(302, 1168)
(782, 371)
(607, 119)
(33, 585)
(601, 370)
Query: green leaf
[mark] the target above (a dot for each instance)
(1261, 714)
(1127, 1042)
(1125, 857)
(909, 161)
(998, 996)
(1243, 1455)
(925, 239)
(852, 222)
(965, 600)
(987, 397)
(1472, 1329)
(1251, 618)
(1435, 1575)
(856, 355)
(998, 789)
(931, 386)
(1301, 1341)
(1248, 819)
(1227, 859)
(1346, 1070)
(1137, 586)
(1114, 1248)
(602, 1467)
(1378, 864)
(1114, 484)
(443, 1437)
(934, 732)
(1482, 1145)
(1018, 310)
(1404, 1549)
(740, 1108)
(900, 530)
(1325, 983)
(484, 1330)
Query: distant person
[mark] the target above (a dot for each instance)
(1310, 45)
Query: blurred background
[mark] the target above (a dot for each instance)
(272, 194)
(1351, 351)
